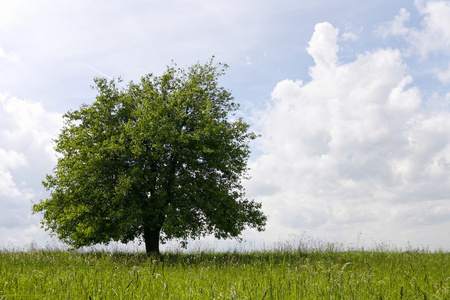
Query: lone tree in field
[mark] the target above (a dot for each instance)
(157, 160)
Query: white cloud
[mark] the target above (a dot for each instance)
(353, 149)
(323, 47)
(7, 185)
(8, 56)
(397, 26)
(433, 36)
(26, 155)
(350, 36)
(443, 76)
(24, 122)
(11, 159)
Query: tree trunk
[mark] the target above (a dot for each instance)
(151, 239)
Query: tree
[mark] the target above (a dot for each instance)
(156, 160)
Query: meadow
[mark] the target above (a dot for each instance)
(272, 274)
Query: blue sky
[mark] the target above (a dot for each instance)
(351, 99)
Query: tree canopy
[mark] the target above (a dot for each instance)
(156, 160)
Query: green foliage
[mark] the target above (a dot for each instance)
(256, 275)
(159, 159)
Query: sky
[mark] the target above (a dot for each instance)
(351, 99)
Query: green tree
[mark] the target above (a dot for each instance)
(157, 160)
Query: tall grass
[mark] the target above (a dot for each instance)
(280, 274)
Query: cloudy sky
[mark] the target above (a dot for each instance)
(351, 98)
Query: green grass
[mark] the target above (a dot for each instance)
(327, 274)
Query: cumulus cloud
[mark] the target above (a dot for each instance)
(323, 47)
(9, 160)
(24, 122)
(433, 36)
(353, 150)
(7, 185)
(26, 155)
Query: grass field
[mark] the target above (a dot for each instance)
(320, 274)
